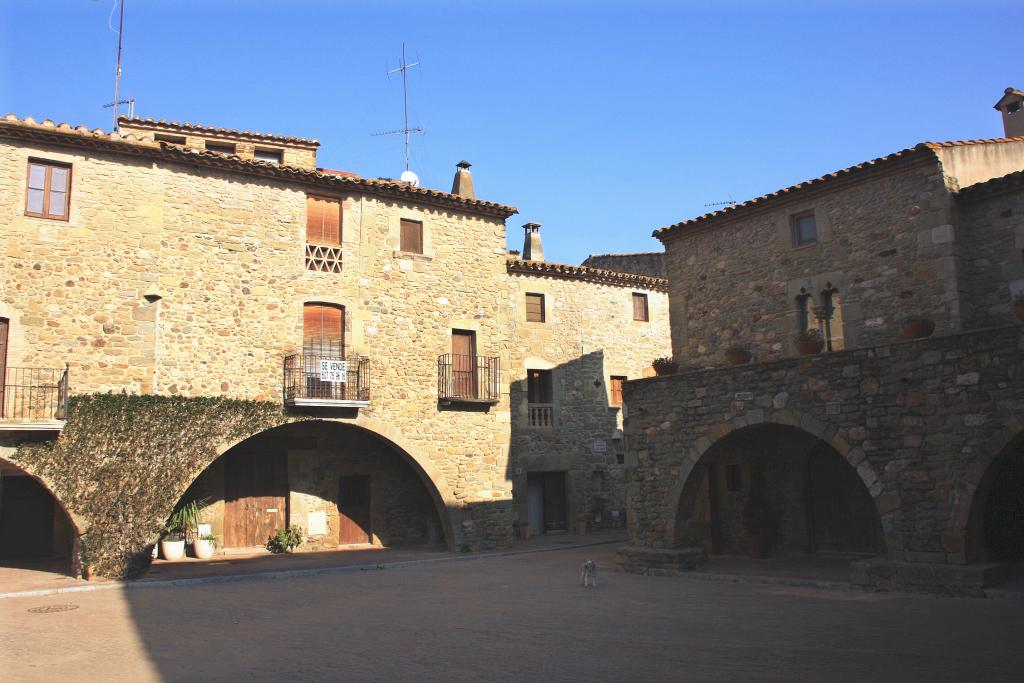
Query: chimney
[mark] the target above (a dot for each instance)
(532, 250)
(1011, 106)
(463, 183)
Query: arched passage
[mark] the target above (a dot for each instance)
(995, 530)
(343, 483)
(36, 531)
(779, 490)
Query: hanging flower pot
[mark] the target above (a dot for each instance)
(737, 355)
(665, 366)
(917, 328)
(809, 342)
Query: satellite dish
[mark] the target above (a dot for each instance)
(411, 178)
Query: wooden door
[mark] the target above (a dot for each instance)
(554, 501)
(26, 519)
(464, 363)
(323, 337)
(4, 325)
(255, 497)
(535, 502)
(843, 515)
(354, 509)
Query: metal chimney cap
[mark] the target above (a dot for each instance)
(464, 164)
(531, 227)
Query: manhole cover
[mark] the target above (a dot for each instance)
(53, 608)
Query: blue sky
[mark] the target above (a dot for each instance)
(600, 120)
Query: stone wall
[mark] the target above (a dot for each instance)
(588, 336)
(885, 242)
(920, 421)
(651, 263)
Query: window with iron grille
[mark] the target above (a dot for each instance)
(323, 234)
(48, 190)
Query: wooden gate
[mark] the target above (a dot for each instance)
(354, 509)
(843, 515)
(546, 501)
(255, 497)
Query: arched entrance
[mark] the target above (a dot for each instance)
(35, 531)
(342, 484)
(776, 490)
(996, 527)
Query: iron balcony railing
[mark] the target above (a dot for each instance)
(323, 380)
(34, 394)
(471, 379)
(541, 414)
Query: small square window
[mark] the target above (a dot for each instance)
(412, 236)
(616, 389)
(804, 229)
(171, 139)
(220, 147)
(273, 156)
(640, 310)
(48, 190)
(534, 308)
(733, 478)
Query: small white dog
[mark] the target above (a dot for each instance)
(588, 574)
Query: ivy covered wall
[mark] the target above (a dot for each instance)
(122, 463)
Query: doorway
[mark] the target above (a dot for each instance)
(255, 497)
(546, 501)
(26, 519)
(354, 509)
(464, 363)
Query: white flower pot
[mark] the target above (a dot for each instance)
(203, 549)
(172, 550)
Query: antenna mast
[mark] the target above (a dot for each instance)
(406, 131)
(117, 74)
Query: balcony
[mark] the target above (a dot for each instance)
(341, 380)
(33, 399)
(468, 379)
(541, 414)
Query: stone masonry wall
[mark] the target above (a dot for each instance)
(991, 230)
(176, 280)
(885, 242)
(588, 336)
(921, 421)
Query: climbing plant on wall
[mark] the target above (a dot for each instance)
(122, 462)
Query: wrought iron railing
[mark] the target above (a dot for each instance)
(34, 394)
(313, 378)
(541, 414)
(468, 378)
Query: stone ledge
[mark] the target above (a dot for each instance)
(661, 561)
(950, 579)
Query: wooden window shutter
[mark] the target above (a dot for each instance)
(323, 330)
(323, 220)
(332, 221)
(412, 237)
(640, 307)
(616, 386)
(535, 308)
(314, 220)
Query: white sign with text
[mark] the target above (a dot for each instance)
(333, 371)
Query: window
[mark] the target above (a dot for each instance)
(220, 147)
(616, 387)
(804, 228)
(539, 386)
(48, 190)
(534, 308)
(323, 330)
(274, 156)
(323, 234)
(640, 311)
(412, 236)
(172, 139)
(733, 478)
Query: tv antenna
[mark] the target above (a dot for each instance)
(408, 176)
(117, 74)
(730, 203)
(131, 108)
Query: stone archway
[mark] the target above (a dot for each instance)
(987, 523)
(36, 529)
(807, 456)
(312, 459)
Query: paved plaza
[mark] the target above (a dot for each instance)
(519, 617)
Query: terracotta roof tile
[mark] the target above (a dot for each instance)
(597, 275)
(1010, 181)
(11, 126)
(200, 128)
(858, 169)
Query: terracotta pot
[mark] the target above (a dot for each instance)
(737, 356)
(670, 369)
(581, 528)
(1018, 310)
(524, 533)
(172, 550)
(918, 329)
(809, 348)
(757, 547)
(88, 572)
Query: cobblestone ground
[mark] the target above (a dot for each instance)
(522, 617)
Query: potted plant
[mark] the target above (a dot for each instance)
(581, 524)
(204, 545)
(809, 342)
(917, 327)
(172, 543)
(181, 528)
(758, 518)
(522, 529)
(1018, 306)
(737, 355)
(665, 366)
(285, 540)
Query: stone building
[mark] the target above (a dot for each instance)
(902, 454)
(203, 313)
